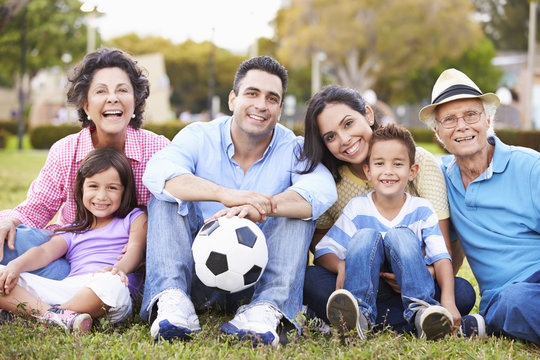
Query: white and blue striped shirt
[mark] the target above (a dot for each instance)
(360, 213)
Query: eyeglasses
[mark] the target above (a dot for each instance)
(470, 117)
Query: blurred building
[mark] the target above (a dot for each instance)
(48, 95)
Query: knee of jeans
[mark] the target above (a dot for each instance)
(402, 239)
(363, 240)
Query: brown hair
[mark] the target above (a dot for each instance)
(394, 132)
(96, 161)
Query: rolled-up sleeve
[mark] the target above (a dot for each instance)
(178, 158)
(317, 187)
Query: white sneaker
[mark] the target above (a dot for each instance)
(343, 312)
(257, 323)
(432, 321)
(176, 317)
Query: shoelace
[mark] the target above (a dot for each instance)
(417, 304)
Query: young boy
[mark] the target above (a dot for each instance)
(389, 226)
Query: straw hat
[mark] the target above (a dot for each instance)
(452, 85)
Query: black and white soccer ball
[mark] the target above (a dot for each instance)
(230, 254)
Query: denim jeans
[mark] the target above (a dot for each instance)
(382, 305)
(515, 310)
(169, 262)
(27, 237)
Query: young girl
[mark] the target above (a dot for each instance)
(389, 225)
(107, 219)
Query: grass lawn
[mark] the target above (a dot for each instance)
(29, 339)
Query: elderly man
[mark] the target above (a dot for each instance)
(494, 197)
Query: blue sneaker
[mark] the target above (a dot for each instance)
(472, 325)
(257, 323)
(176, 317)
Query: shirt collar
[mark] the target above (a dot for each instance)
(229, 145)
(501, 156)
(132, 148)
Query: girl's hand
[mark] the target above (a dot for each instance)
(9, 276)
(115, 271)
(124, 249)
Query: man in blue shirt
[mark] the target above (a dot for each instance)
(494, 197)
(245, 165)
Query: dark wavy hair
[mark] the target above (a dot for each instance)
(96, 161)
(263, 63)
(315, 150)
(80, 79)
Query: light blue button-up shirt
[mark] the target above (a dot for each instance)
(498, 217)
(206, 150)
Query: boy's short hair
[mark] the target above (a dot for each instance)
(394, 132)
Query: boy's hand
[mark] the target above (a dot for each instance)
(340, 279)
(390, 279)
(9, 276)
(451, 306)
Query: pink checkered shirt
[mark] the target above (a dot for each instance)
(54, 184)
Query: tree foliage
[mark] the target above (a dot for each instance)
(508, 22)
(53, 27)
(365, 40)
(188, 67)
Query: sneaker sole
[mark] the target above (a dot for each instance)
(342, 312)
(267, 338)
(168, 331)
(436, 323)
(82, 323)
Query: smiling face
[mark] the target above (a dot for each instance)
(346, 132)
(257, 106)
(389, 168)
(102, 194)
(465, 140)
(110, 102)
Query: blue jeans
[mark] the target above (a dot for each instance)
(515, 310)
(27, 237)
(380, 303)
(169, 262)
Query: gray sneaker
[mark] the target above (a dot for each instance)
(343, 312)
(432, 321)
(5, 317)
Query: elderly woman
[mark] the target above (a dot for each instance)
(494, 196)
(110, 91)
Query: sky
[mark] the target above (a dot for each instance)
(231, 24)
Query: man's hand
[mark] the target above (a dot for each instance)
(264, 204)
(243, 211)
(390, 279)
(7, 232)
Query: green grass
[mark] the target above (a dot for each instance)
(29, 339)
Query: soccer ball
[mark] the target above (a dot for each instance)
(230, 254)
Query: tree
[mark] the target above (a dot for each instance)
(52, 28)
(365, 40)
(188, 68)
(507, 23)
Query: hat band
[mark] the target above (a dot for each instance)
(456, 90)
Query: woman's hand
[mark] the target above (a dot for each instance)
(8, 228)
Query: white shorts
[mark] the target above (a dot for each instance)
(109, 288)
